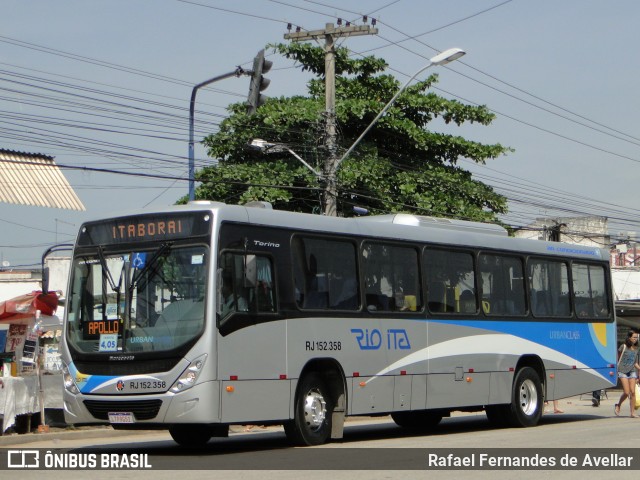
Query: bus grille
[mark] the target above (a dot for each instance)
(141, 409)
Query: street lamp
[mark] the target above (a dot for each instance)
(443, 58)
(267, 147)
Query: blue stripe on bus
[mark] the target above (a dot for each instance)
(597, 351)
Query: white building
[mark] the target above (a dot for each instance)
(14, 283)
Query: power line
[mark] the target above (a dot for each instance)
(262, 17)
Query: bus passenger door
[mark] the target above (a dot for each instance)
(251, 350)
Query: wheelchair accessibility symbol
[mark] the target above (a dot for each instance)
(139, 260)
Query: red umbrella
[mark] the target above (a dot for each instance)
(25, 306)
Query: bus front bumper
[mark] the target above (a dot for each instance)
(198, 404)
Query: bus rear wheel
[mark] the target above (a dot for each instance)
(527, 400)
(423, 419)
(190, 435)
(311, 424)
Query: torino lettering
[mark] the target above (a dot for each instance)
(146, 230)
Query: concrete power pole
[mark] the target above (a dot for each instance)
(330, 33)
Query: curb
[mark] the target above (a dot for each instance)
(67, 434)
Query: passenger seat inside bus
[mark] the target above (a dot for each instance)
(436, 297)
(378, 302)
(467, 302)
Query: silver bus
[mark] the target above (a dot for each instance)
(208, 315)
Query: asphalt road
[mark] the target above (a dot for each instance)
(375, 447)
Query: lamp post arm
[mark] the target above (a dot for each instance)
(381, 113)
(315, 172)
(236, 73)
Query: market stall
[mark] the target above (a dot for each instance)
(31, 378)
(21, 396)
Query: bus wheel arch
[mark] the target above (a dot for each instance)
(319, 404)
(527, 398)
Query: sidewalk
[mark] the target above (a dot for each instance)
(577, 405)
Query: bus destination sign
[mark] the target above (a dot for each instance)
(145, 228)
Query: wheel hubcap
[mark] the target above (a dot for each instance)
(528, 397)
(315, 409)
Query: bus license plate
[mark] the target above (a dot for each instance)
(121, 417)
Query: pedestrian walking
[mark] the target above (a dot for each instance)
(628, 367)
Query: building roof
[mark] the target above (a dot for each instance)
(35, 179)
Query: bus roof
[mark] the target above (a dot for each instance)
(399, 226)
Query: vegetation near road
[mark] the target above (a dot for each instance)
(400, 166)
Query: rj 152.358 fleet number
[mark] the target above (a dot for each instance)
(145, 384)
(323, 345)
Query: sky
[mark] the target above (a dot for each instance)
(106, 85)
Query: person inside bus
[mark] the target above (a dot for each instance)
(628, 367)
(230, 301)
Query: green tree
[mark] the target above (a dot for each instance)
(400, 166)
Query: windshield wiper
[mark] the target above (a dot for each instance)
(106, 272)
(103, 264)
(148, 265)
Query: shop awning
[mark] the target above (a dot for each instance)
(23, 309)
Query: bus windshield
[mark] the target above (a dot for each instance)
(137, 301)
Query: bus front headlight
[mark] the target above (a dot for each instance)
(190, 375)
(69, 381)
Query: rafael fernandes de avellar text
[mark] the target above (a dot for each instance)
(486, 460)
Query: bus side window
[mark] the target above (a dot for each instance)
(233, 296)
(246, 284)
(392, 277)
(549, 287)
(502, 280)
(589, 287)
(325, 274)
(449, 275)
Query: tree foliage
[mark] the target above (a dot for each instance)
(399, 166)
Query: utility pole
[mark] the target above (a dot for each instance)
(330, 34)
(554, 232)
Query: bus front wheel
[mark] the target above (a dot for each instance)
(311, 424)
(190, 435)
(527, 399)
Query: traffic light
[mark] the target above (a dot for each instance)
(258, 82)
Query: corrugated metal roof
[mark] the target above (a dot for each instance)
(34, 179)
